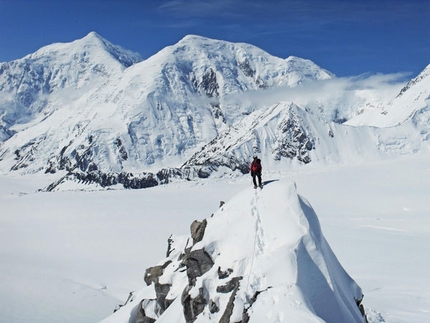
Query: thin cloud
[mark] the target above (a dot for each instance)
(348, 90)
(198, 9)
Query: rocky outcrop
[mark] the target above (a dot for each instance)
(141, 315)
(152, 274)
(230, 269)
(295, 141)
(193, 306)
(198, 230)
(194, 298)
(197, 262)
(232, 286)
(208, 84)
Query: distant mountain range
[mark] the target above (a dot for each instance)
(92, 112)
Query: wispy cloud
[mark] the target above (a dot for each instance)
(308, 12)
(349, 90)
(199, 8)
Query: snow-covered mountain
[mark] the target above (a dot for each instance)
(92, 112)
(413, 99)
(284, 135)
(34, 87)
(260, 258)
(91, 106)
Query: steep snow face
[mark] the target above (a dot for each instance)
(279, 132)
(308, 70)
(284, 135)
(107, 117)
(260, 258)
(33, 87)
(413, 99)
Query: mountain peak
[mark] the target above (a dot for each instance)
(92, 42)
(124, 56)
(93, 38)
(193, 37)
(423, 75)
(211, 44)
(93, 34)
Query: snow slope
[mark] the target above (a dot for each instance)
(285, 135)
(268, 261)
(91, 112)
(74, 256)
(413, 98)
(34, 87)
(86, 105)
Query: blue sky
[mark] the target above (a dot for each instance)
(345, 37)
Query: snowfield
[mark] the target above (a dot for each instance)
(344, 211)
(73, 256)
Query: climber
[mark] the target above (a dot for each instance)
(256, 172)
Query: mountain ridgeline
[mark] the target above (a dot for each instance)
(92, 112)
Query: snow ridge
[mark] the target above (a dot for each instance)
(96, 112)
(413, 99)
(260, 258)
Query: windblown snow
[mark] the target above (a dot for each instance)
(261, 258)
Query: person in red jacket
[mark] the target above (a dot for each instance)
(256, 171)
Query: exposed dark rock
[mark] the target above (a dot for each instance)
(261, 84)
(296, 142)
(246, 68)
(205, 165)
(166, 174)
(161, 291)
(414, 81)
(361, 307)
(197, 263)
(122, 153)
(213, 307)
(129, 299)
(141, 315)
(198, 230)
(152, 274)
(229, 286)
(128, 180)
(169, 246)
(204, 173)
(224, 274)
(225, 318)
(337, 118)
(217, 112)
(208, 84)
(245, 315)
(192, 306)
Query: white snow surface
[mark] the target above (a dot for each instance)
(413, 99)
(76, 254)
(73, 256)
(90, 97)
(271, 238)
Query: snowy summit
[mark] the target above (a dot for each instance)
(91, 112)
(260, 258)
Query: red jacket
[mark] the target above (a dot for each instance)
(256, 165)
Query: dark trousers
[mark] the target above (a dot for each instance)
(254, 176)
